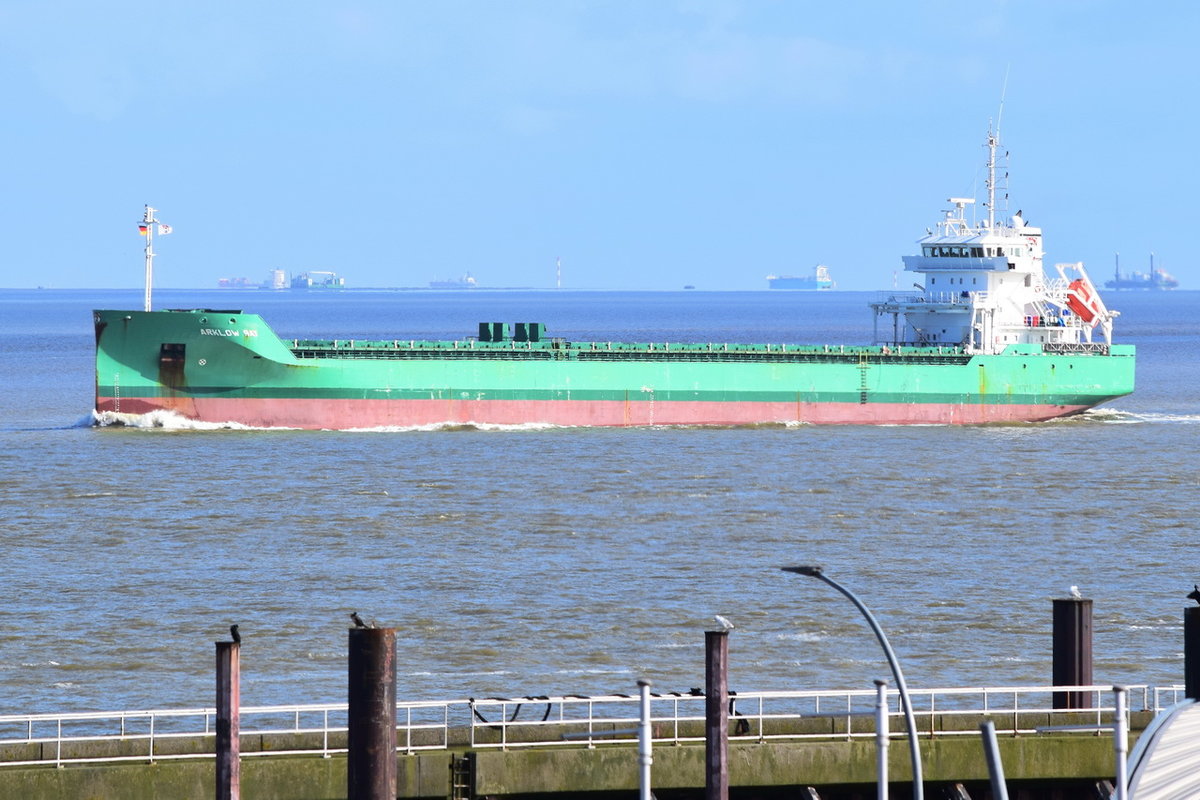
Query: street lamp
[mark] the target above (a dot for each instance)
(910, 721)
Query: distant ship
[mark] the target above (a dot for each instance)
(818, 281)
(465, 282)
(1156, 279)
(317, 279)
(276, 279)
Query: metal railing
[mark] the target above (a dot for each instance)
(527, 722)
(951, 297)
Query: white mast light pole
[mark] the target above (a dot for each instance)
(147, 229)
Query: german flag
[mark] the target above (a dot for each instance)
(143, 229)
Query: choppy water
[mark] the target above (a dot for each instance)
(538, 561)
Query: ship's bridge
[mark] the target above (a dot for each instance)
(959, 245)
(989, 250)
(928, 263)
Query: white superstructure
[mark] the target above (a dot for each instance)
(984, 288)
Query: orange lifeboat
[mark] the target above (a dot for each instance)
(1081, 301)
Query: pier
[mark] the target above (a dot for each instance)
(779, 744)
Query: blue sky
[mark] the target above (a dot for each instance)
(648, 144)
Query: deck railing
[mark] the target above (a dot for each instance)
(528, 722)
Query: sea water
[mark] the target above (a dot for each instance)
(539, 560)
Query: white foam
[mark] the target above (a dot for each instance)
(166, 420)
(1115, 416)
(169, 420)
(1108, 416)
(1186, 419)
(1105, 415)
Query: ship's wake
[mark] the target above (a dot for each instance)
(1174, 419)
(1113, 416)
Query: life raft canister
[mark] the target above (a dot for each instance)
(1081, 302)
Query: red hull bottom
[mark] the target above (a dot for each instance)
(352, 414)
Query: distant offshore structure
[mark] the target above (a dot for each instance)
(818, 281)
(1156, 279)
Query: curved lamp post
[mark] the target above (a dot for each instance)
(910, 721)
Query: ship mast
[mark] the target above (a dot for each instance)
(147, 230)
(150, 225)
(993, 139)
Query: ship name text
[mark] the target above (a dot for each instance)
(227, 332)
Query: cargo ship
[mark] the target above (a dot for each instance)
(318, 279)
(818, 281)
(1156, 280)
(988, 338)
(467, 281)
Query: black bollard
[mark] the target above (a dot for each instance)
(371, 739)
(1072, 651)
(229, 771)
(716, 715)
(1191, 652)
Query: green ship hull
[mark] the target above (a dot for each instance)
(228, 367)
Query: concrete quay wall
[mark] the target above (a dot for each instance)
(1075, 759)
